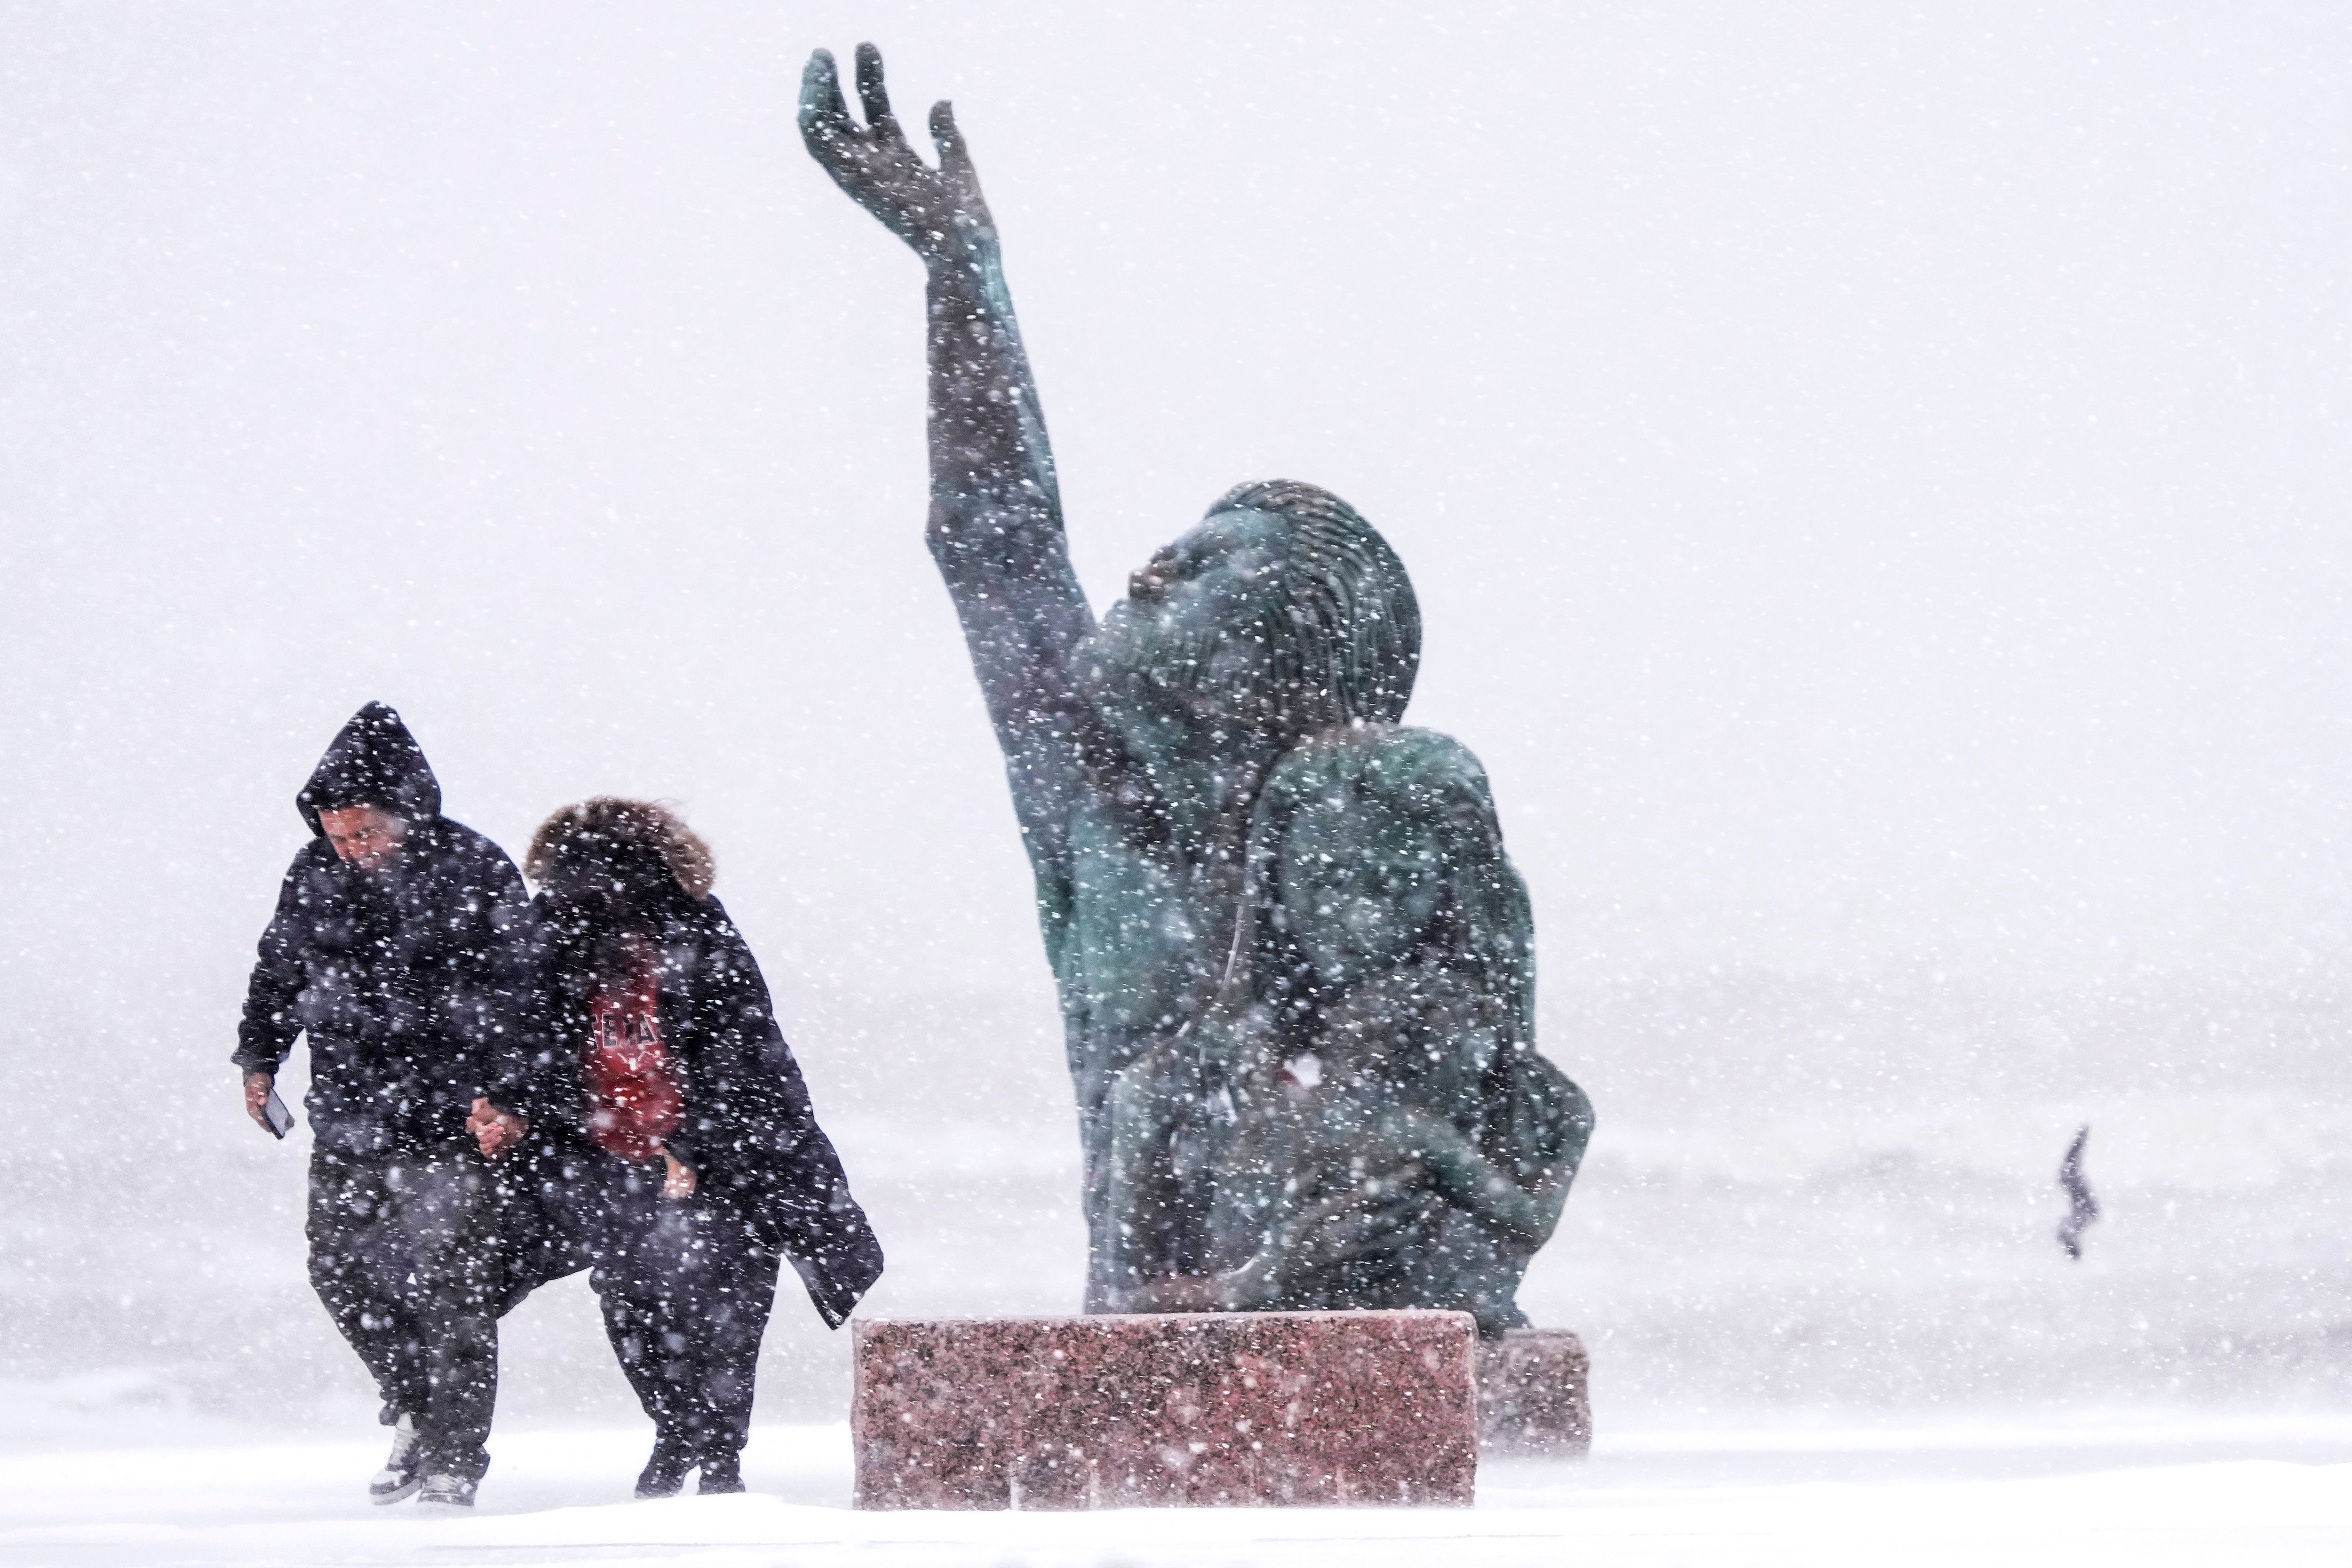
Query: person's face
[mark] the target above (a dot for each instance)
(364, 835)
(1193, 624)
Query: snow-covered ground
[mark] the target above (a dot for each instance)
(2144, 1493)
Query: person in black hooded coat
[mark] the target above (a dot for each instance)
(394, 946)
(665, 1113)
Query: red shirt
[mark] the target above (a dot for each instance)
(634, 1100)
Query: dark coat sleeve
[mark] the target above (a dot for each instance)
(533, 1064)
(750, 1127)
(531, 1069)
(492, 1004)
(267, 1033)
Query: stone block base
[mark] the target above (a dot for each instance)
(1237, 1409)
(1533, 1395)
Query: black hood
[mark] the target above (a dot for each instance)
(373, 761)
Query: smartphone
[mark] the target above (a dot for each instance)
(274, 1112)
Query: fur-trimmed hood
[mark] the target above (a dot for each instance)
(625, 840)
(615, 873)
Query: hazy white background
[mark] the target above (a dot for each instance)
(1876, 479)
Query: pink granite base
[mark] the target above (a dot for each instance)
(1239, 1409)
(1533, 1393)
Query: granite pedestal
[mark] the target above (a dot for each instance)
(1533, 1393)
(1239, 1409)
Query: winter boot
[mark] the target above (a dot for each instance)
(664, 1473)
(446, 1491)
(720, 1473)
(400, 1475)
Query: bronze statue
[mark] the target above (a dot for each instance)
(1296, 969)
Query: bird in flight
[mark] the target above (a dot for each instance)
(2082, 1207)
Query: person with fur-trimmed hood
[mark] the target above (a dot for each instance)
(393, 944)
(694, 1162)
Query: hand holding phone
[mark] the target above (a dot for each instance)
(261, 1104)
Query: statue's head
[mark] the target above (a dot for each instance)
(1282, 608)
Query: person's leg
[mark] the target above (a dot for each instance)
(445, 1209)
(686, 1262)
(686, 1303)
(633, 1288)
(738, 1290)
(358, 1266)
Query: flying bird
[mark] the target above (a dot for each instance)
(2083, 1208)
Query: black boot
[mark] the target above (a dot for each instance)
(664, 1473)
(720, 1473)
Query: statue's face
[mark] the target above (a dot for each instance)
(1196, 624)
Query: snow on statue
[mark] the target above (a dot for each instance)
(1296, 968)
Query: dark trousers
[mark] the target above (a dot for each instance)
(686, 1287)
(404, 1252)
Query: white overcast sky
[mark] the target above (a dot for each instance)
(1876, 476)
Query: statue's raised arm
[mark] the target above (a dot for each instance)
(996, 510)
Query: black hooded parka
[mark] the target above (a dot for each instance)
(747, 1129)
(403, 974)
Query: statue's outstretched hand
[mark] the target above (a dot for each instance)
(937, 211)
